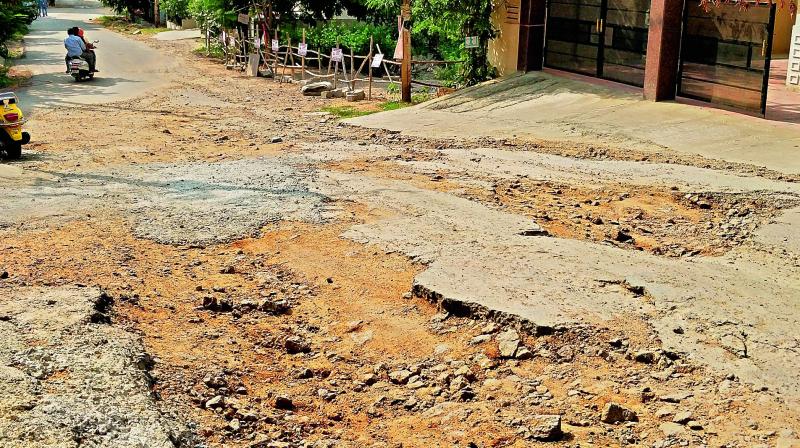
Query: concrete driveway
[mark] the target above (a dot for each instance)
(565, 107)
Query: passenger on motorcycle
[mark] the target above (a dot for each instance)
(76, 48)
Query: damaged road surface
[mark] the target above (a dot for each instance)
(266, 275)
(71, 379)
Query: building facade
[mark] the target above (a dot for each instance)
(719, 54)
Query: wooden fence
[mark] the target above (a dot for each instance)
(289, 61)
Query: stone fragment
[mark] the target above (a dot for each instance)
(508, 342)
(682, 417)
(646, 357)
(316, 88)
(546, 427)
(694, 425)
(480, 339)
(284, 402)
(296, 344)
(523, 353)
(672, 429)
(616, 413)
(356, 95)
(400, 376)
(216, 402)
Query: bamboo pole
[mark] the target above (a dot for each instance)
(303, 58)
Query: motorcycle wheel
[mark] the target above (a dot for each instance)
(13, 150)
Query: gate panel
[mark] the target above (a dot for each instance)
(625, 40)
(573, 35)
(725, 54)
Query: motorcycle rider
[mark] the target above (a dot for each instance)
(89, 48)
(76, 48)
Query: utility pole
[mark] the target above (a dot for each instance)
(405, 68)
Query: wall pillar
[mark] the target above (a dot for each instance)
(531, 35)
(663, 49)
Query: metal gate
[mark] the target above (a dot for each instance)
(725, 54)
(603, 38)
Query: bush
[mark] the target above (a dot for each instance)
(175, 10)
(15, 16)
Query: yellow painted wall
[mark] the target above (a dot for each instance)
(783, 32)
(503, 49)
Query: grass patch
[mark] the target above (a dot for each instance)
(121, 24)
(215, 51)
(346, 111)
(393, 105)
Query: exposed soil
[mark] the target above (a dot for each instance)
(294, 336)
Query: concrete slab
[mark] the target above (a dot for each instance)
(179, 35)
(544, 106)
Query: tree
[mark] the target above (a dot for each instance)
(175, 10)
(15, 16)
(441, 23)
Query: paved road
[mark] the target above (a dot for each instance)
(126, 67)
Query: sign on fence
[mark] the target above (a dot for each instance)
(471, 42)
(244, 19)
(257, 42)
(276, 45)
(336, 55)
(376, 60)
(302, 50)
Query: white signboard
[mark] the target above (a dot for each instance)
(471, 42)
(257, 42)
(276, 45)
(377, 60)
(336, 55)
(302, 50)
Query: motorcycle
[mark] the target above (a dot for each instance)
(12, 137)
(79, 67)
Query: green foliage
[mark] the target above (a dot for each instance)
(15, 16)
(455, 20)
(130, 8)
(215, 51)
(439, 28)
(210, 14)
(356, 35)
(175, 10)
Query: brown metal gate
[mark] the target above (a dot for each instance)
(725, 54)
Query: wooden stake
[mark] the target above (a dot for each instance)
(275, 64)
(385, 67)
(336, 68)
(405, 70)
(369, 92)
(352, 70)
